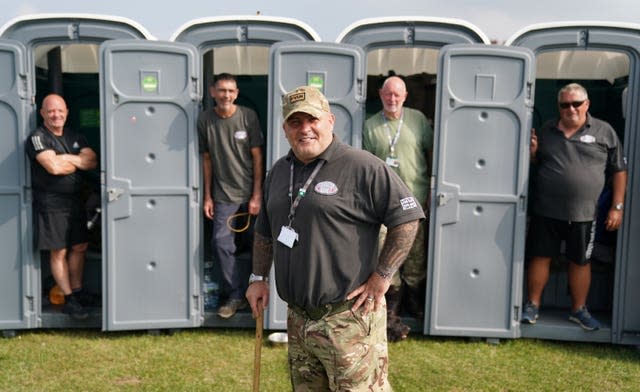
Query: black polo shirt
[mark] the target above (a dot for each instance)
(55, 192)
(337, 222)
(570, 173)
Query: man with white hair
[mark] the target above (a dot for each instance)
(403, 138)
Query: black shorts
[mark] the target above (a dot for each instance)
(61, 229)
(546, 234)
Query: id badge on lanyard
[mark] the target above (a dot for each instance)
(392, 160)
(288, 236)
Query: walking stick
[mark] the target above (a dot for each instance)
(258, 349)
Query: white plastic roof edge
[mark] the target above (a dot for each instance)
(583, 23)
(409, 19)
(111, 18)
(258, 18)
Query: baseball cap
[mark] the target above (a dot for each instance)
(304, 99)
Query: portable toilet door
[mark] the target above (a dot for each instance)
(479, 190)
(17, 273)
(149, 97)
(338, 71)
(408, 47)
(238, 45)
(605, 59)
(60, 56)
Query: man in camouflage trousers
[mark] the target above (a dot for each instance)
(323, 206)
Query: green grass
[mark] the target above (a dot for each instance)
(222, 360)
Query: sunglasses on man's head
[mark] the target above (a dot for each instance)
(575, 104)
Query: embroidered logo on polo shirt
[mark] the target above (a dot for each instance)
(408, 203)
(587, 139)
(326, 188)
(240, 135)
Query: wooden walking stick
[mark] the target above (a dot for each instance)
(258, 348)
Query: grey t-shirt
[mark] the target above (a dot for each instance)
(229, 142)
(337, 222)
(570, 173)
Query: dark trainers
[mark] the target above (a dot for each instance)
(584, 319)
(73, 308)
(530, 313)
(85, 298)
(231, 306)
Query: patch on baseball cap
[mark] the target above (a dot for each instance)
(304, 99)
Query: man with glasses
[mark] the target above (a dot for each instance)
(572, 156)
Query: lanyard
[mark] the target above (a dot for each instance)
(394, 141)
(302, 191)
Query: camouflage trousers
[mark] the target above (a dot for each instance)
(414, 269)
(342, 352)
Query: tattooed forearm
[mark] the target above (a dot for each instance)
(262, 254)
(396, 247)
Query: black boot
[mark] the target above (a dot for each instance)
(396, 330)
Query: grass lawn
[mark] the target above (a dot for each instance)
(222, 360)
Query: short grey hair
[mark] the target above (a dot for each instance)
(573, 87)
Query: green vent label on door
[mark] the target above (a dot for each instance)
(150, 82)
(316, 79)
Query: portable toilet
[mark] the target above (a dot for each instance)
(239, 45)
(603, 57)
(408, 47)
(42, 54)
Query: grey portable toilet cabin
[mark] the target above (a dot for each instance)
(42, 54)
(605, 59)
(240, 45)
(408, 47)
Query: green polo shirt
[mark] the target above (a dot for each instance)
(412, 148)
(337, 222)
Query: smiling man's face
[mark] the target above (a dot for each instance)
(309, 136)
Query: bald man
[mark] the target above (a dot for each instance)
(58, 158)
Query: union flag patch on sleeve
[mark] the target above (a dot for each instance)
(408, 203)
